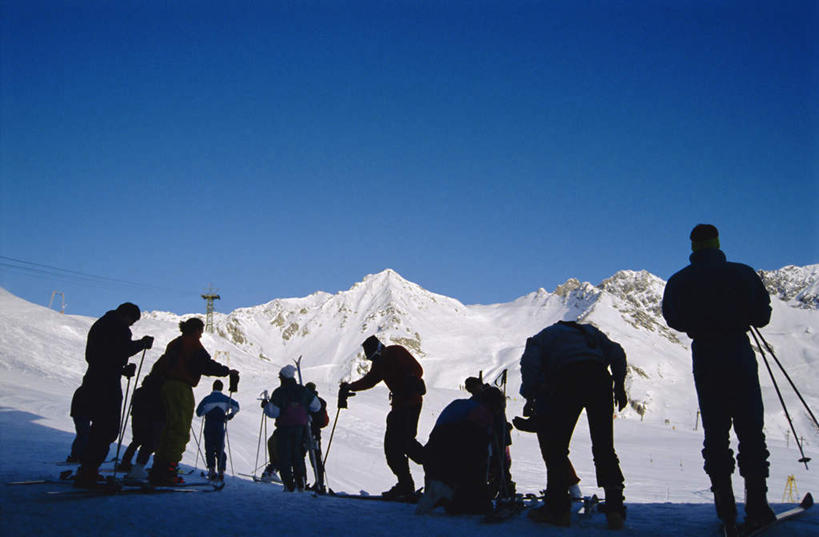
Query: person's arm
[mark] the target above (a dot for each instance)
(760, 313)
(671, 306)
(373, 377)
(271, 410)
(200, 408)
(531, 368)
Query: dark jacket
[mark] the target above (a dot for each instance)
(187, 360)
(563, 344)
(713, 298)
(107, 350)
(290, 404)
(400, 372)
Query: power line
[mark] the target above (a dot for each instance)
(33, 268)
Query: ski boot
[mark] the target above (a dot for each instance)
(614, 509)
(164, 474)
(137, 473)
(435, 493)
(757, 511)
(556, 510)
(400, 491)
(88, 477)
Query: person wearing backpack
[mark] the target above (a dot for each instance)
(402, 374)
(290, 404)
(318, 420)
(564, 369)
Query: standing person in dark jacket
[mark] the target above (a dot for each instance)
(290, 404)
(564, 369)
(217, 408)
(318, 420)
(716, 302)
(147, 422)
(402, 374)
(184, 362)
(107, 350)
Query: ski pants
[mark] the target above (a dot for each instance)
(400, 442)
(727, 381)
(290, 449)
(82, 425)
(146, 430)
(457, 454)
(215, 448)
(272, 449)
(575, 387)
(178, 402)
(104, 402)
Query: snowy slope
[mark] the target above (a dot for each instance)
(41, 363)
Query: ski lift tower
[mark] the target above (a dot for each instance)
(209, 296)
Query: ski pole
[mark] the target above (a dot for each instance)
(330, 442)
(755, 330)
(124, 418)
(227, 436)
(262, 424)
(198, 448)
(198, 443)
(804, 460)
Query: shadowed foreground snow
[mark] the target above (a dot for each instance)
(27, 451)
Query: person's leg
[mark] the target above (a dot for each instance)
(395, 442)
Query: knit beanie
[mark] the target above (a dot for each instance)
(704, 236)
(288, 372)
(371, 346)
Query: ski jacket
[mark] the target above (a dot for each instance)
(290, 404)
(400, 372)
(147, 399)
(217, 409)
(467, 411)
(187, 360)
(713, 298)
(108, 348)
(562, 344)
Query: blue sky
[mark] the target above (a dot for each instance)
(481, 149)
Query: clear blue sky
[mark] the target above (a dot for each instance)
(481, 149)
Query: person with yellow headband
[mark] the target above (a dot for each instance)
(716, 302)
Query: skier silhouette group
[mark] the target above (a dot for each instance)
(565, 368)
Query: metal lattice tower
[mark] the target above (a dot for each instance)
(209, 296)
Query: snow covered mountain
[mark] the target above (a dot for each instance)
(453, 340)
(41, 363)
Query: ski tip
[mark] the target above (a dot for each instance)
(807, 501)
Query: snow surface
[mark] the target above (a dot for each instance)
(41, 363)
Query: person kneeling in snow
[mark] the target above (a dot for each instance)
(217, 408)
(290, 404)
(458, 453)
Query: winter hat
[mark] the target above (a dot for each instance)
(372, 346)
(288, 372)
(129, 310)
(704, 236)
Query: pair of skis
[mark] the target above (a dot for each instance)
(118, 486)
(738, 531)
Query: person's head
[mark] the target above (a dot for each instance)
(493, 398)
(473, 385)
(192, 327)
(312, 387)
(372, 347)
(217, 385)
(287, 372)
(703, 237)
(129, 312)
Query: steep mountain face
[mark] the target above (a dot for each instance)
(798, 286)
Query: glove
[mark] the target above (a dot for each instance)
(128, 370)
(264, 403)
(620, 397)
(344, 393)
(529, 408)
(147, 342)
(234, 381)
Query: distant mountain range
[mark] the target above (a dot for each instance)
(453, 340)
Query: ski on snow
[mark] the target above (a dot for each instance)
(804, 505)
